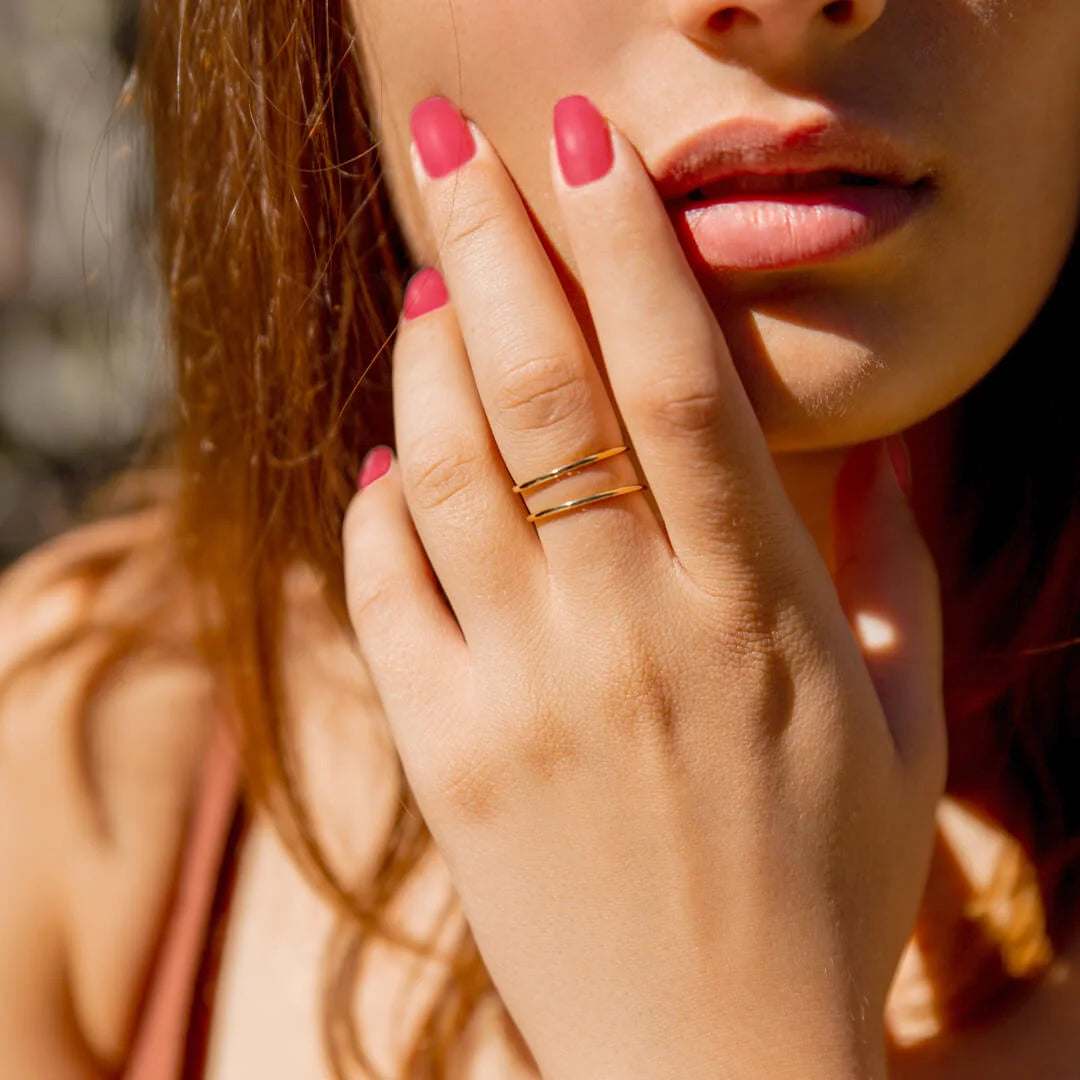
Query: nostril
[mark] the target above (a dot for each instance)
(839, 11)
(722, 20)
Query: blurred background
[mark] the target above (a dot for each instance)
(82, 366)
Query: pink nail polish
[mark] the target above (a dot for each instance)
(583, 141)
(442, 137)
(376, 464)
(425, 292)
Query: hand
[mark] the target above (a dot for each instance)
(687, 808)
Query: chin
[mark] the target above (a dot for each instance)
(814, 388)
(811, 388)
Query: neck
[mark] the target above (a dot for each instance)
(809, 479)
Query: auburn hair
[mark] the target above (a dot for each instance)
(285, 270)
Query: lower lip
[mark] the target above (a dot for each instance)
(785, 229)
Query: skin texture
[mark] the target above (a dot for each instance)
(633, 711)
(985, 93)
(628, 711)
(593, 674)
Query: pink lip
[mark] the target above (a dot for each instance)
(735, 227)
(745, 145)
(781, 230)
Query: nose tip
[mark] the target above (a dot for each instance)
(763, 30)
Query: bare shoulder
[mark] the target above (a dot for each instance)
(92, 799)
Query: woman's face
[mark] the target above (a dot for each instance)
(982, 94)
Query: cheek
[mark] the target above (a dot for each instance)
(505, 63)
(837, 354)
(848, 353)
(843, 358)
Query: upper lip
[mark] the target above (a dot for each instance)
(745, 145)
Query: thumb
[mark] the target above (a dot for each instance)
(888, 587)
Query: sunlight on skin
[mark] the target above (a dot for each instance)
(833, 354)
(985, 93)
(875, 633)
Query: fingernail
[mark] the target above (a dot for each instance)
(901, 462)
(425, 292)
(583, 141)
(376, 463)
(442, 138)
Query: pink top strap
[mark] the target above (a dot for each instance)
(161, 1040)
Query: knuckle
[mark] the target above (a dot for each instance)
(675, 405)
(541, 391)
(484, 772)
(440, 469)
(645, 694)
(747, 637)
(469, 226)
(546, 748)
(371, 598)
(740, 615)
(468, 789)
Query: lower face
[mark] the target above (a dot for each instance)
(984, 94)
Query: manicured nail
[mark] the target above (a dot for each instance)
(901, 462)
(583, 141)
(376, 464)
(443, 139)
(425, 292)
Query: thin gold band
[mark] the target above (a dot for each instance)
(563, 508)
(565, 470)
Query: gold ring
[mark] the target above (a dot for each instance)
(562, 508)
(565, 470)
